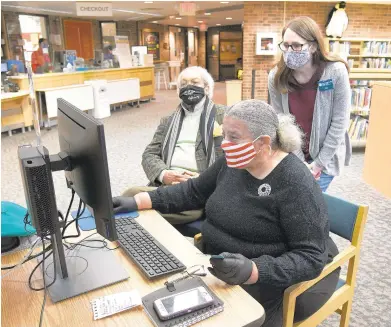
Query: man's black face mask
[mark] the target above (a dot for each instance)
(191, 94)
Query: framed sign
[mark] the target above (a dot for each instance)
(151, 40)
(266, 44)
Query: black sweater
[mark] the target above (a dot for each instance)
(285, 233)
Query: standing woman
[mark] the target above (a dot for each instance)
(313, 85)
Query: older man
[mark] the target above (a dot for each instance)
(187, 142)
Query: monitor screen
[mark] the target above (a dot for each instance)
(139, 49)
(4, 67)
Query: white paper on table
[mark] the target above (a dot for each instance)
(112, 304)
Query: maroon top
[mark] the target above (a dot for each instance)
(301, 105)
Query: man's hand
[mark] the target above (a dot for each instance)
(174, 177)
(191, 174)
(234, 269)
(124, 204)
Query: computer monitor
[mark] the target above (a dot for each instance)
(83, 157)
(82, 137)
(140, 49)
(4, 67)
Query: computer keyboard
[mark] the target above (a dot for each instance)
(151, 257)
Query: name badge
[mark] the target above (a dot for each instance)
(326, 85)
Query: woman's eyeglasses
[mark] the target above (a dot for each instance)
(284, 46)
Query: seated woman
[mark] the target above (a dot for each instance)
(265, 212)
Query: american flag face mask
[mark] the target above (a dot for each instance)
(239, 155)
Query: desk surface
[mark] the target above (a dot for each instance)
(21, 307)
(13, 95)
(62, 87)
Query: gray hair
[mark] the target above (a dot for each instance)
(203, 73)
(262, 119)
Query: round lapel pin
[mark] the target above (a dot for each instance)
(264, 190)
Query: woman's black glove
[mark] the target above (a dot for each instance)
(124, 204)
(234, 269)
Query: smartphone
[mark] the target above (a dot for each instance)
(181, 303)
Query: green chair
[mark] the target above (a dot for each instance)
(346, 220)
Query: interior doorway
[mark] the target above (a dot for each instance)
(184, 45)
(230, 54)
(224, 51)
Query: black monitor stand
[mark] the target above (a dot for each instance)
(81, 269)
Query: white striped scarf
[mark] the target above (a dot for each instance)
(206, 129)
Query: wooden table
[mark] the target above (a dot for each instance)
(20, 307)
(16, 111)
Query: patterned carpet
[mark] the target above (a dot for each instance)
(129, 130)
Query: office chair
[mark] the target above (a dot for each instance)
(190, 229)
(346, 220)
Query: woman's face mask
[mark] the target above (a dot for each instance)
(45, 48)
(297, 59)
(239, 155)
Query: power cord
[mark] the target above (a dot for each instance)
(70, 206)
(44, 283)
(36, 267)
(30, 257)
(27, 222)
(76, 220)
(104, 242)
(25, 258)
(68, 245)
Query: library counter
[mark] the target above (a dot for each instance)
(42, 81)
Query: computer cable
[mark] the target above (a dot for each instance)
(44, 283)
(112, 248)
(27, 222)
(29, 258)
(69, 207)
(61, 215)
(25, 258)
(105, 245)
(72, 221)
(76, 220)
(36, 267)
(74, 245)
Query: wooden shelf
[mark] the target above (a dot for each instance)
(359, 143)
(352, 39)
(370, 70)
(371, 76)
(360, 113)
(370, 56)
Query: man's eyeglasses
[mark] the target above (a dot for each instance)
(284, 46)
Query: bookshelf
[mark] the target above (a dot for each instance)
(362, 53)
(369, 60)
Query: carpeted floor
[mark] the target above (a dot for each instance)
(129, 130)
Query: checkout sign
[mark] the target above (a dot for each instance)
(94, 9)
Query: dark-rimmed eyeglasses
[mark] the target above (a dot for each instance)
(295, 46)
